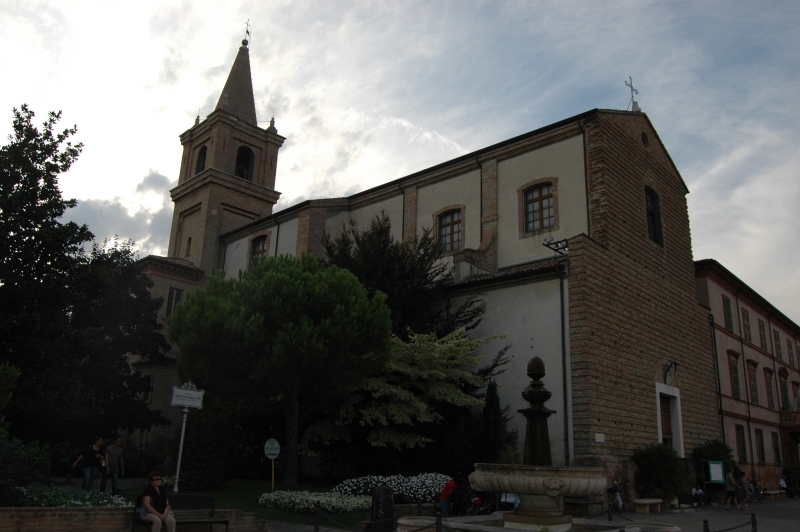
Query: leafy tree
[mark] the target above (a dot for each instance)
(411, 274)
(660, 472)
(67, 319)
(8, 374)
(493, 426)
(289, 327)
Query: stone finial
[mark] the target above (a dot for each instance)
(536, 369)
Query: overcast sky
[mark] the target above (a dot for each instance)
(367, 92)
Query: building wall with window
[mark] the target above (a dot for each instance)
(758, 394)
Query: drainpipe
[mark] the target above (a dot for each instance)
(402, 214)
(564, 364)
(277, 237)
(777, 378)
(747, 382)
(586, 177)
(716, 369)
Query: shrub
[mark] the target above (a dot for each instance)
(38, 494)
(712, 450)
(20, 464)
(420, 488)
(207, 449)
(661, 473)
(304, 502)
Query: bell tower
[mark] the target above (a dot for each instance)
(227, 175)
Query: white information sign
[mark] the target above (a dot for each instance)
(716, 472)
(187, 398)
(272, 448)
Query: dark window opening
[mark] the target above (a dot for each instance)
(726, 306)
(776, 448)
(259, 248)
(741, 449)
(746, 323)
(778, 351)
(762, 335)
(785, 393)
(201, 160)
(244, 163)
(174, 297)
(148, 394)
(770, 395)
(539, 208)
(666, 421)
(188, 246)
(450, 231)
(760, 454)
(653, 216)
(735, 387)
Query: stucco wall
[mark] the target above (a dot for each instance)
(236, 257)
(364, 215)
(286, 238)
(529, 315)
(563, 161)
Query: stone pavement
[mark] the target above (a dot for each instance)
(771, 516)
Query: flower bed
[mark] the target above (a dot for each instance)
(421, 488)
(304, 502)
(65, 496)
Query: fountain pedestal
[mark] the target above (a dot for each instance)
(541, 487)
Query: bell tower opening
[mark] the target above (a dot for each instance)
(201, 160)
(244, 163)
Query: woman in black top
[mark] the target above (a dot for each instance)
(155, 505)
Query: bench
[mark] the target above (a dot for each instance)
(774, 494)
(189, 510)
(645, 506)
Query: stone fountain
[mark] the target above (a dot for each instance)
(541, 487)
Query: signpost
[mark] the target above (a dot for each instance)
(187, 396)
(272, 449)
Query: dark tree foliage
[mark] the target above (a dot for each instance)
(660, 472)
(67, 319)
(411, 275)
(288, 327)
(493, 426)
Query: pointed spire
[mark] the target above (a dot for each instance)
(237, 95)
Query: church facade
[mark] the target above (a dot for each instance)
(576, 235)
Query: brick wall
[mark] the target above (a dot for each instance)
(108, 520)
(633, 303)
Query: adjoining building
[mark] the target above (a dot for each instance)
(577, 235)
(757, 360)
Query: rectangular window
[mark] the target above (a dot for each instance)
(653, 204)
(735, 388)
(778, 351)
(259, 247)
(770, 395)
(746, 323)
(726, 307)
(785, 394)
(776, 448)
(539, 208)
(450, 231)
(741, 448)
(790, 351)
(666, 421)
(174, 297)
(762, 334)
(751, 373)
(148, 395)
(762, 457)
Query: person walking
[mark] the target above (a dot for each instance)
(444, 496)
(155, 505)
(91, 458)
(115, 464)
(730, 490)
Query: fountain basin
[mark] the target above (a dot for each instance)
(552, 481)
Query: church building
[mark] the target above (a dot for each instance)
(576, 234)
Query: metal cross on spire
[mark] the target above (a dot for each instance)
(247, 30)
(629, 84)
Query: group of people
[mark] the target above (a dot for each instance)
(94, 458)
(736, 490)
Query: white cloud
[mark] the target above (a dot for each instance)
(367, 92)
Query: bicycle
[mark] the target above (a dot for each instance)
(754, 491)
(616, 497)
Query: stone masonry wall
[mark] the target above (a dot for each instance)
(633, 303)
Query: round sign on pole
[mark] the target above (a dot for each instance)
(272, 448)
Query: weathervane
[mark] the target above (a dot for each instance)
(629, 84)
(247, 30)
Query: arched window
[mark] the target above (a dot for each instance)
(244, 163)
(188, 246)
(539, 207)
(201, 160)
(450, 231)
(653, 216)
(259, 247)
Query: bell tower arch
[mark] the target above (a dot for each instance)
(228, 170)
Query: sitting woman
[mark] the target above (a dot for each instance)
(155, 505)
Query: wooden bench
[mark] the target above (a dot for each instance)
(774, 494)
(645, 506)
(188, 509)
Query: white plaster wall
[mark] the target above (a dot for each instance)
(529, 315)
(563, 160)
(334, 221)
(286, 238)
(364, 215)
(461, 190)
(236, 257)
